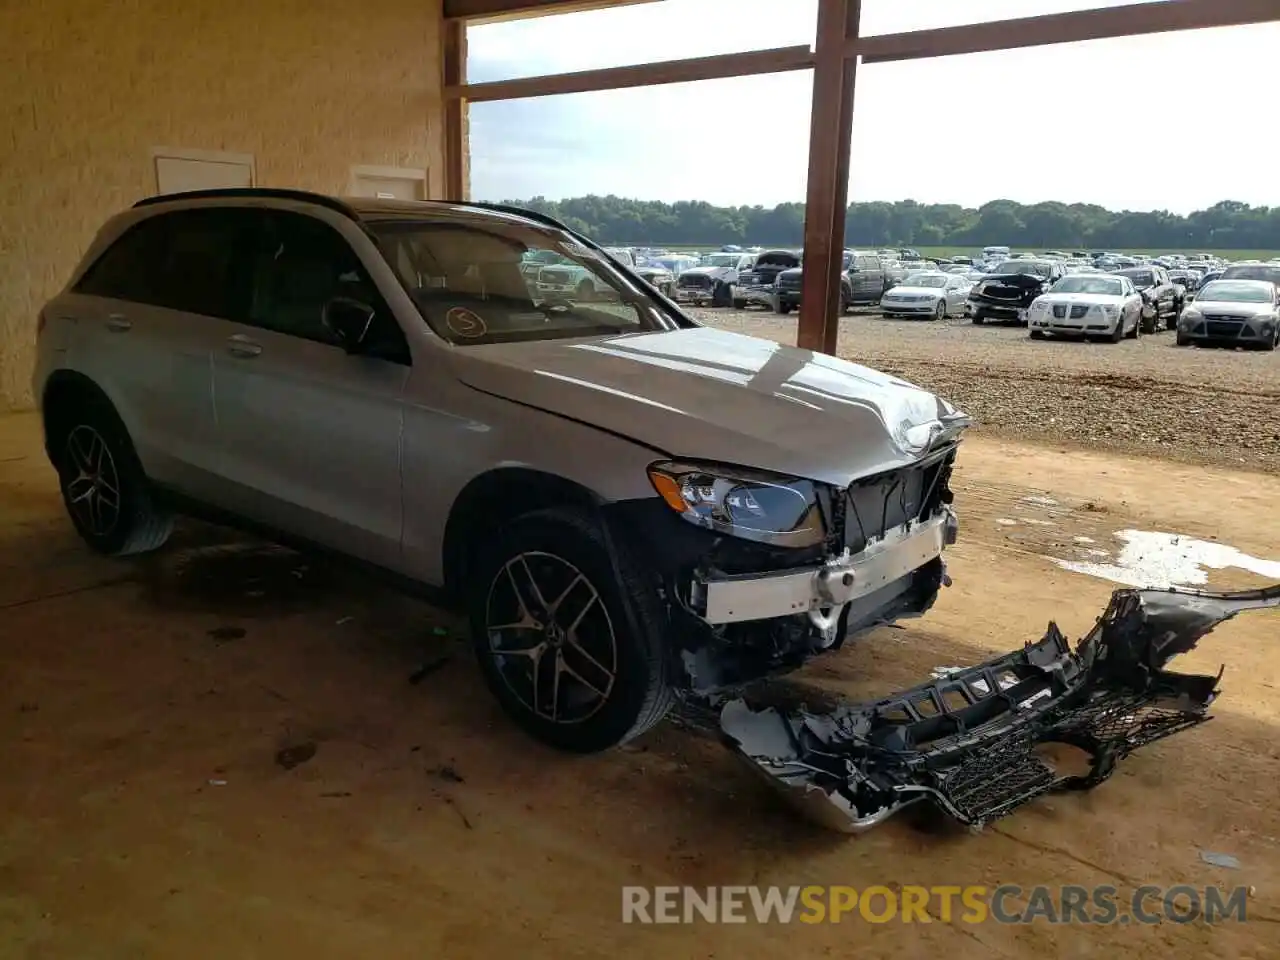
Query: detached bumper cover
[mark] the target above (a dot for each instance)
(973, 741)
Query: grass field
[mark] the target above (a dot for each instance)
(972, 251)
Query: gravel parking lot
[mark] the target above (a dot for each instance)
(1146, 397)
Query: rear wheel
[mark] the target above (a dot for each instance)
(569, 640)
(103, 485)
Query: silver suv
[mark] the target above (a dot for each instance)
(628, 504)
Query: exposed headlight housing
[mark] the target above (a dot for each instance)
(754, 505)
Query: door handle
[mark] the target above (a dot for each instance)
(119, 323)
(241, 346)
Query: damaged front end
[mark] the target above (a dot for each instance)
(974, 741)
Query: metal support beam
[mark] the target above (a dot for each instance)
(453, 61)
(827, 196)
(495, 11)
(776, 60)
(1129, 20)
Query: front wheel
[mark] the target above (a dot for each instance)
(784, 307)
(568, 635)
(1136, 332)
(978, 319)
(940, 311)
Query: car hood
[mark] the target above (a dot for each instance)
(902, 288)
(705, 271)
(1234, 308)
(1024, 280)
(715, 395)
(1082, 298)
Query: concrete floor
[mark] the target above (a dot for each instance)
(145, 810)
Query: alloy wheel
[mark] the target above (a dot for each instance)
(92, 481)
(551, 638)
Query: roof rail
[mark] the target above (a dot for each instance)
(271, 193)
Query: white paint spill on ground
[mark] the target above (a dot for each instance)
(1041, 501)
(1038, 523)
(1006, 522)
(1150, 559)
(1097, 553)
(1084, 540)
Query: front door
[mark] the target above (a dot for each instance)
(311, 435)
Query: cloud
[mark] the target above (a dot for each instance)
(1138, 123)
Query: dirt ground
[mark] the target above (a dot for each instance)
(218, 752)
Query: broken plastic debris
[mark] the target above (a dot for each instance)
(217, 783)
(1220, 859)
(967, 741)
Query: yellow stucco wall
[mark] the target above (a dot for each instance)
(310, 88)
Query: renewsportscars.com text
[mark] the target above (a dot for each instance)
(1008, 903)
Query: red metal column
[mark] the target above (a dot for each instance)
(827, 196)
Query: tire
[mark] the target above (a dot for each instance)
(721, 295)
(739, 304)
(95, 460)
(1171, 321)
(1137, 328)
(978, 319)
(1036, 334)
(1273, 342)
(1118, 333)
(1149, 324)
(1183, 340)
(580, 705)
(940, 311)
(783, 308)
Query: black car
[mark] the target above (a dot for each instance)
(863, 279)
(1008, 292)
(1162, 298)
(1253, 271)
(757, 284)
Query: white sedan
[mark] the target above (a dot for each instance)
(1090, 305)
(932, 294)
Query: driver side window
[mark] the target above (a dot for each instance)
(302, 264)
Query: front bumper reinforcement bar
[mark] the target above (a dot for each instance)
(978, 742)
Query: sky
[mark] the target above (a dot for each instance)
(1168, 122)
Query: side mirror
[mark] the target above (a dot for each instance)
(349, 320)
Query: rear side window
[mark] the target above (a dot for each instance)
(189, 260)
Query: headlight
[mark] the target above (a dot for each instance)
(1108, 311)
(766, 507)
(1039, 306)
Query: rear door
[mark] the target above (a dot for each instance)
(309, 434)
(147, 316)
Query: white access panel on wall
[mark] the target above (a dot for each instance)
(179, 171)
(388, 183)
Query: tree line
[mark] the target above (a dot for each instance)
(1229, 225)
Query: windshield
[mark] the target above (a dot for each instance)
(720, 260)
(1140, 278)
(1033, 268)
(1240, 292)
(673, 264)
(1105, 286)
(925, 280)
(478, 283)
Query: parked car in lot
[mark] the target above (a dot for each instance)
(657, 276)
(1008, 291)
(714, 280)
(1233, 313)
(1095, 305)
(1269, 272)
(1162, 298)
(863, 280)
(625, 502)
(757, 285)
(932, 295)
